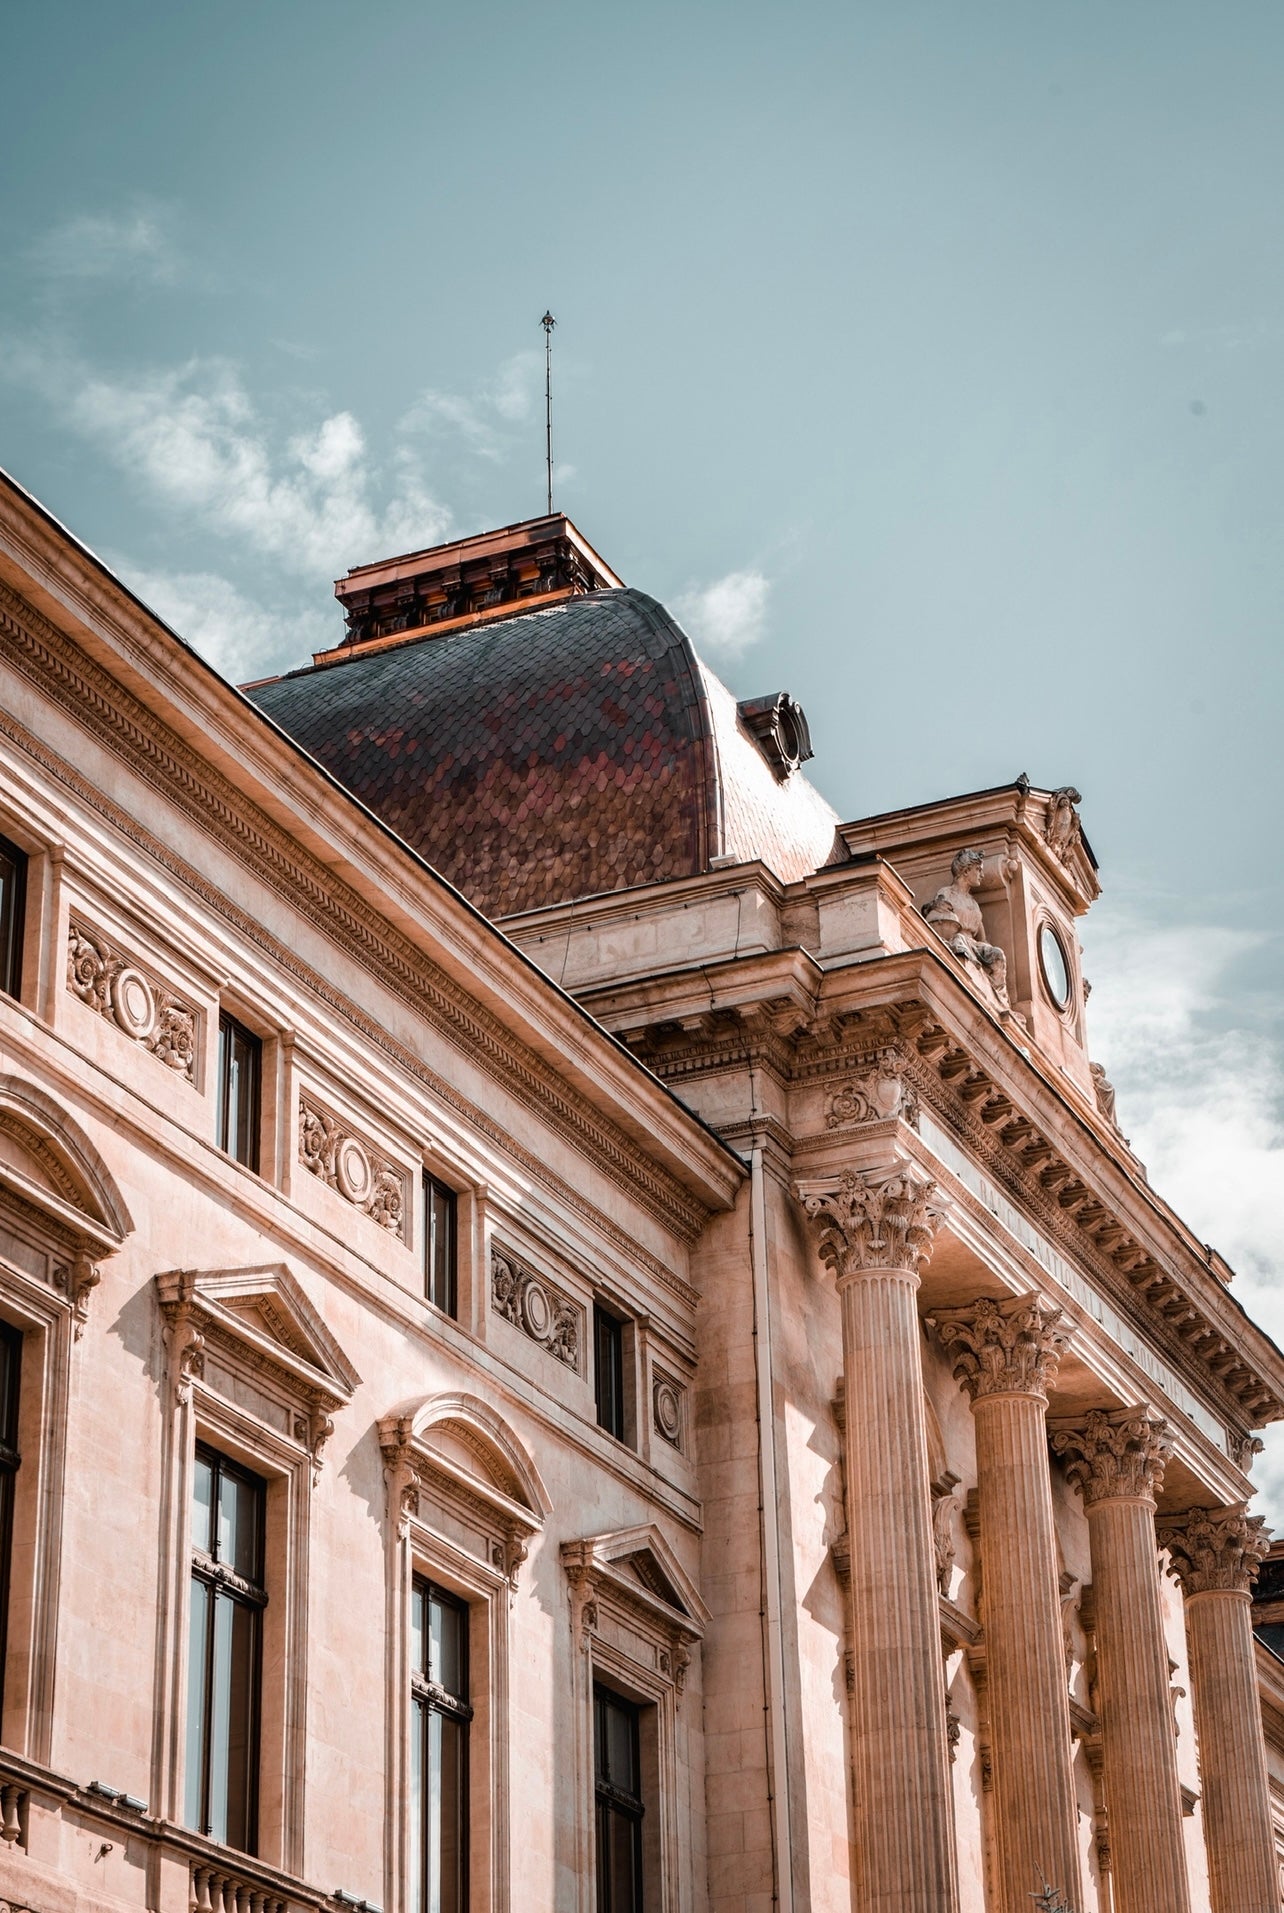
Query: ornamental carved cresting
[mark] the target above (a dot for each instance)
(352, 1166)
(145, 1010)
(1214, 1550)
(1116, 1454)
(537, 1307)
(873, 1220)
(1009, 1346)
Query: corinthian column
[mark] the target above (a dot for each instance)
(1117, 1462)
(874, 1231)
(1006, 1355)
(1214, 1554)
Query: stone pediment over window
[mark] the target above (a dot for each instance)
(455, 1467)
(60, 1210)
(631, 1584)
(252, 1337)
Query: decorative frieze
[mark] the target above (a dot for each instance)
(668, 1405)
(115, 986)
(1012, 1346)
(881, 1094)
(537, 1307)
(873, 1220)
(1214, 1550)
(353, 1166)
(1116, 1454)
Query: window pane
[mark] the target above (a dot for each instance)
(13, 871)
(418, 1731)
(10, 1369)
(439, 1244)
(419, 1628)
(239, 1070)
(239, 1504)
(447, 1746)
(620, 1763)
(197, 1673)
(446, 1648)
(608, 1371)
(621, 1869)
(203, 1504)
(232, 1723)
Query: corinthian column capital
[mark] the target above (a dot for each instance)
(1116, 1455)
(875, 1219)
(1213, 1550)
(1009, 1346)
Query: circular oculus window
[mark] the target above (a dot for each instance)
(1055, 966)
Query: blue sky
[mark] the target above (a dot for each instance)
(928, 358)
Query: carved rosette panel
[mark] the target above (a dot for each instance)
(537, 1307)
(668, 1407)
(881, 1094)
(1214, 1550)
(148, 1012)
(348, 1163)
(1118, 1454)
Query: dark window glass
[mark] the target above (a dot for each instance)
(240, 1069)
(618, 1788)
(438, 1751)
(440, 1207)
(13, 890)
(10, 1369)
(224, 1651)
(608, 1371)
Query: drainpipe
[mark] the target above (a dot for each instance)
(773, 1644)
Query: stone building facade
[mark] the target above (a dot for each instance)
(578, 1335)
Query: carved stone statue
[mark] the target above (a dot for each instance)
(1104, 1091)
(956, 915)
(1063, 821)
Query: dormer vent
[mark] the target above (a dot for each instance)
(780, 729)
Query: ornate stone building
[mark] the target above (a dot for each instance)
(652, 1385)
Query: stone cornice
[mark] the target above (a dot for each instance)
(121, 722)
(1051, 1156)
(1214, 1550)
(1009, 1346)
(1116, 1454)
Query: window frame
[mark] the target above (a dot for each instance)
(429, 1697)
(230, 1032)
(434, 1187)
(13, 915)
(250, 1594)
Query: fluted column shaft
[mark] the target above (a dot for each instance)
(1006, 1355)
(874, 1231)
(1215, 1555)
(1118, 1464)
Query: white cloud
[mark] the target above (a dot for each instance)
(194, 438)
(728, 616)
(1202, 1096)
(484, 422)
(240, 638)
(134, 245)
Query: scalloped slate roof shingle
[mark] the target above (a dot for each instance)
(538, 758)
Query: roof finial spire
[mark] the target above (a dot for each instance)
(548, 322)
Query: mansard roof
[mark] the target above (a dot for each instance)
(576, 749)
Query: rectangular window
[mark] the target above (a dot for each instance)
(617, 1764)
(13, 891)
(608, 1371)
(10, 1369)
(225, 1651)
(438, 1751)
(440, 1230)
(240, 1071)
